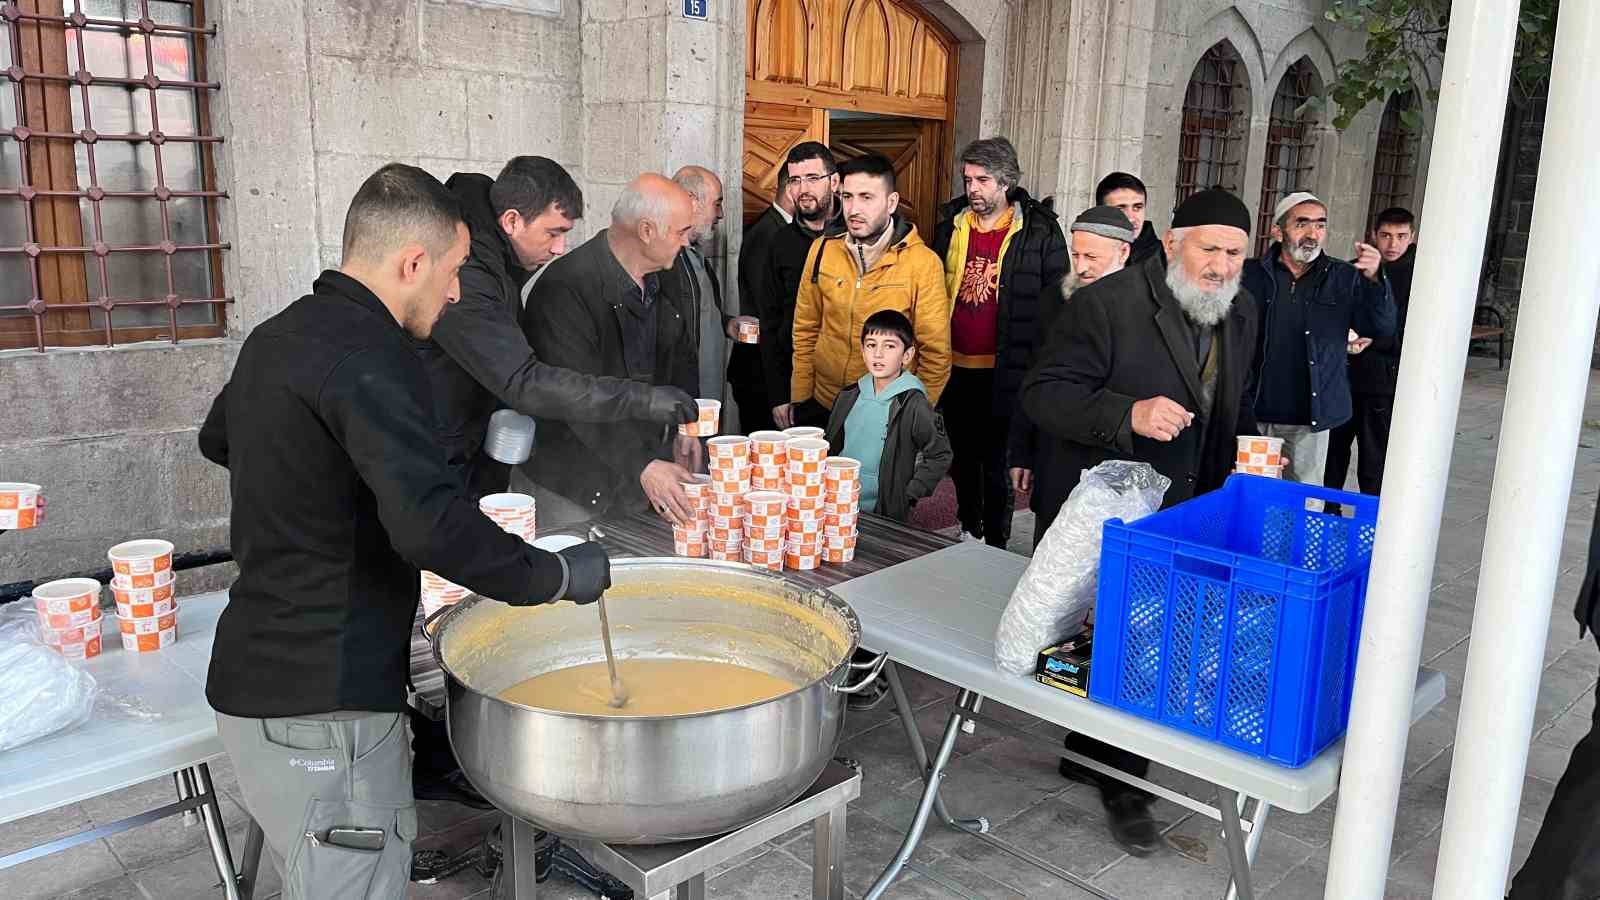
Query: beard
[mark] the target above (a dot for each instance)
(1306, 252)
(1070, 284)
(1204, 307)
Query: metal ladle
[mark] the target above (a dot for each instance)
(619, 692)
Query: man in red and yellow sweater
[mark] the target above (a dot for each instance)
(1004, 257)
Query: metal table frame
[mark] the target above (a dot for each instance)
(678, 870)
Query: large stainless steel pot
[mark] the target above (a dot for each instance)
(637, 779)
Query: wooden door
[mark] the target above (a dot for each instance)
(915, 146)
(770, 130)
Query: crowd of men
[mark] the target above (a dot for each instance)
(1004, 346)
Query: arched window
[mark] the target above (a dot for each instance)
(1291, 155)
(1211, 148)
(1394, 163)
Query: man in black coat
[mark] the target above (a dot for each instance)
(1126, 192)
(478, 360)
(341, 493)
(814, 181)
(1375, 364)
(1004, 258)
(745, 374)
(599, 310)
(1153, 364)
(1310, 302)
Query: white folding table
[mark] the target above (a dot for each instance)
(938, 614)
(173, 733)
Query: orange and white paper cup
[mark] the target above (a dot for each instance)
(143, 557)
(729, 446)
(801, 562)
(749, 332)
(1256, 450)
(19, 505)
(152, 580)
(838, 555)
(150, 643)
(769, 443)
(842, 470)
(1264, 471)
(88, 648)
(67, 595)
(707, 423)
(804, 431)
(806, 450)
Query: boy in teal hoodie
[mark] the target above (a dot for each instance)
(885, 421)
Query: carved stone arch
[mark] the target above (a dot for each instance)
(1310, 46)
(1230, 25)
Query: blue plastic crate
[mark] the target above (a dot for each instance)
(1235, 616)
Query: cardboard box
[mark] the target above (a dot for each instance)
(1065, 666)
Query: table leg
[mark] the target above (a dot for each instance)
(827, 855)
(250, 863)
(518, 875)
(930, 793)
(216, 831)
(1238, 855)
(908, 721)
(693, 889)
(1252, 841)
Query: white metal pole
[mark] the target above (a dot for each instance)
(1532, 479)
(1454, 223)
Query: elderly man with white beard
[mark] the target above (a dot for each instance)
(1153, 364)
(1310, 305)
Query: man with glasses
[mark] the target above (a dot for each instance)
(814, 182)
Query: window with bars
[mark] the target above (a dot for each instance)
(1291, 152)
(1394, 163)
(1212, 145)
(108, 199)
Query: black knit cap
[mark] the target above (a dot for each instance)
(1107, 221)
(1213, 206)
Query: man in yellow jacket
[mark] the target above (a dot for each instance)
(880, 263)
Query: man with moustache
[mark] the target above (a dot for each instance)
(880, 263)
(814, 180)
(693, 285)
(1151, 363)
(1102, 239)
(1004, 258)
(1310, 303)
(1375, 363)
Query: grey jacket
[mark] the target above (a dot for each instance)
(916, 451)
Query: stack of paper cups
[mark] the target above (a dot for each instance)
(693, 539)
(1260, 456)
(438, 593)
(707, 424)
(19, 505)
(768, 457)
(145, 588)
(804, 518)
(841, 506)
(514, 513)
(764, 528)
(69, 616)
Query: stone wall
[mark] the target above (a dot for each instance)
(1506, 250)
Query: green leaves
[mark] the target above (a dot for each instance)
(1405, 44)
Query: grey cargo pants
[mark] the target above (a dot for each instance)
(302, 777)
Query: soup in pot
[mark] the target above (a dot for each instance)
(661, 686)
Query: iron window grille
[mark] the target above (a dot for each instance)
(1291, 153)
(1394, 163)
(108, 198)
(1211, 145)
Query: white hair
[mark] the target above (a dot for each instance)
(1203, 307)
(634, 206)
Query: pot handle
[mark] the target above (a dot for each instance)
(427, 624)
(871, 668)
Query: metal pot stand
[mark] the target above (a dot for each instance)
(678, 870)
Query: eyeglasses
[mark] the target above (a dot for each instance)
(809, 180)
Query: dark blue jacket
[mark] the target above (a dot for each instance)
(1338, 298)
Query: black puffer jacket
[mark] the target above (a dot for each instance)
(1030, 287)
(479, 360)
(1376, 370)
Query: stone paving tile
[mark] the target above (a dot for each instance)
(61, 873)
(872, 845)
(771, 876)
(1196, 864)
(1053, 830)
(119, 888)
(187, 877)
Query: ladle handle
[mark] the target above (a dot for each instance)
(870, 668)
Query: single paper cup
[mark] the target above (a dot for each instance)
(143, 557)
(147, 625)
(749, 332)
(1266, 471)
(801, 562)
(149, 643)
(763, 557)
(88, 649)
(78, 634)
(152, 580)
(706, 425)
(803, 431)
(698, 486)
(729, 446)
(67, 595)
(691, 549)
(768, 442)
(807, 449)
(730, 485)
(19, 505)
(838, 555)
(146, 610)
(733, 555)
(843, 470)
(804, 504)
(1249, 443)
(768, 502)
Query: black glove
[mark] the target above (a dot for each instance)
(588, 572)
(671, 406)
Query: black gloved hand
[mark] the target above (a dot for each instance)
(671, 406)
(588, 572)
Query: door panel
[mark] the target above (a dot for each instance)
(770, 130)
(915, 146)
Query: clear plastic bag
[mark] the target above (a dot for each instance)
(1056, 593)
(40, 691)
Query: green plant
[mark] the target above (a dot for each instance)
(1405, 43)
